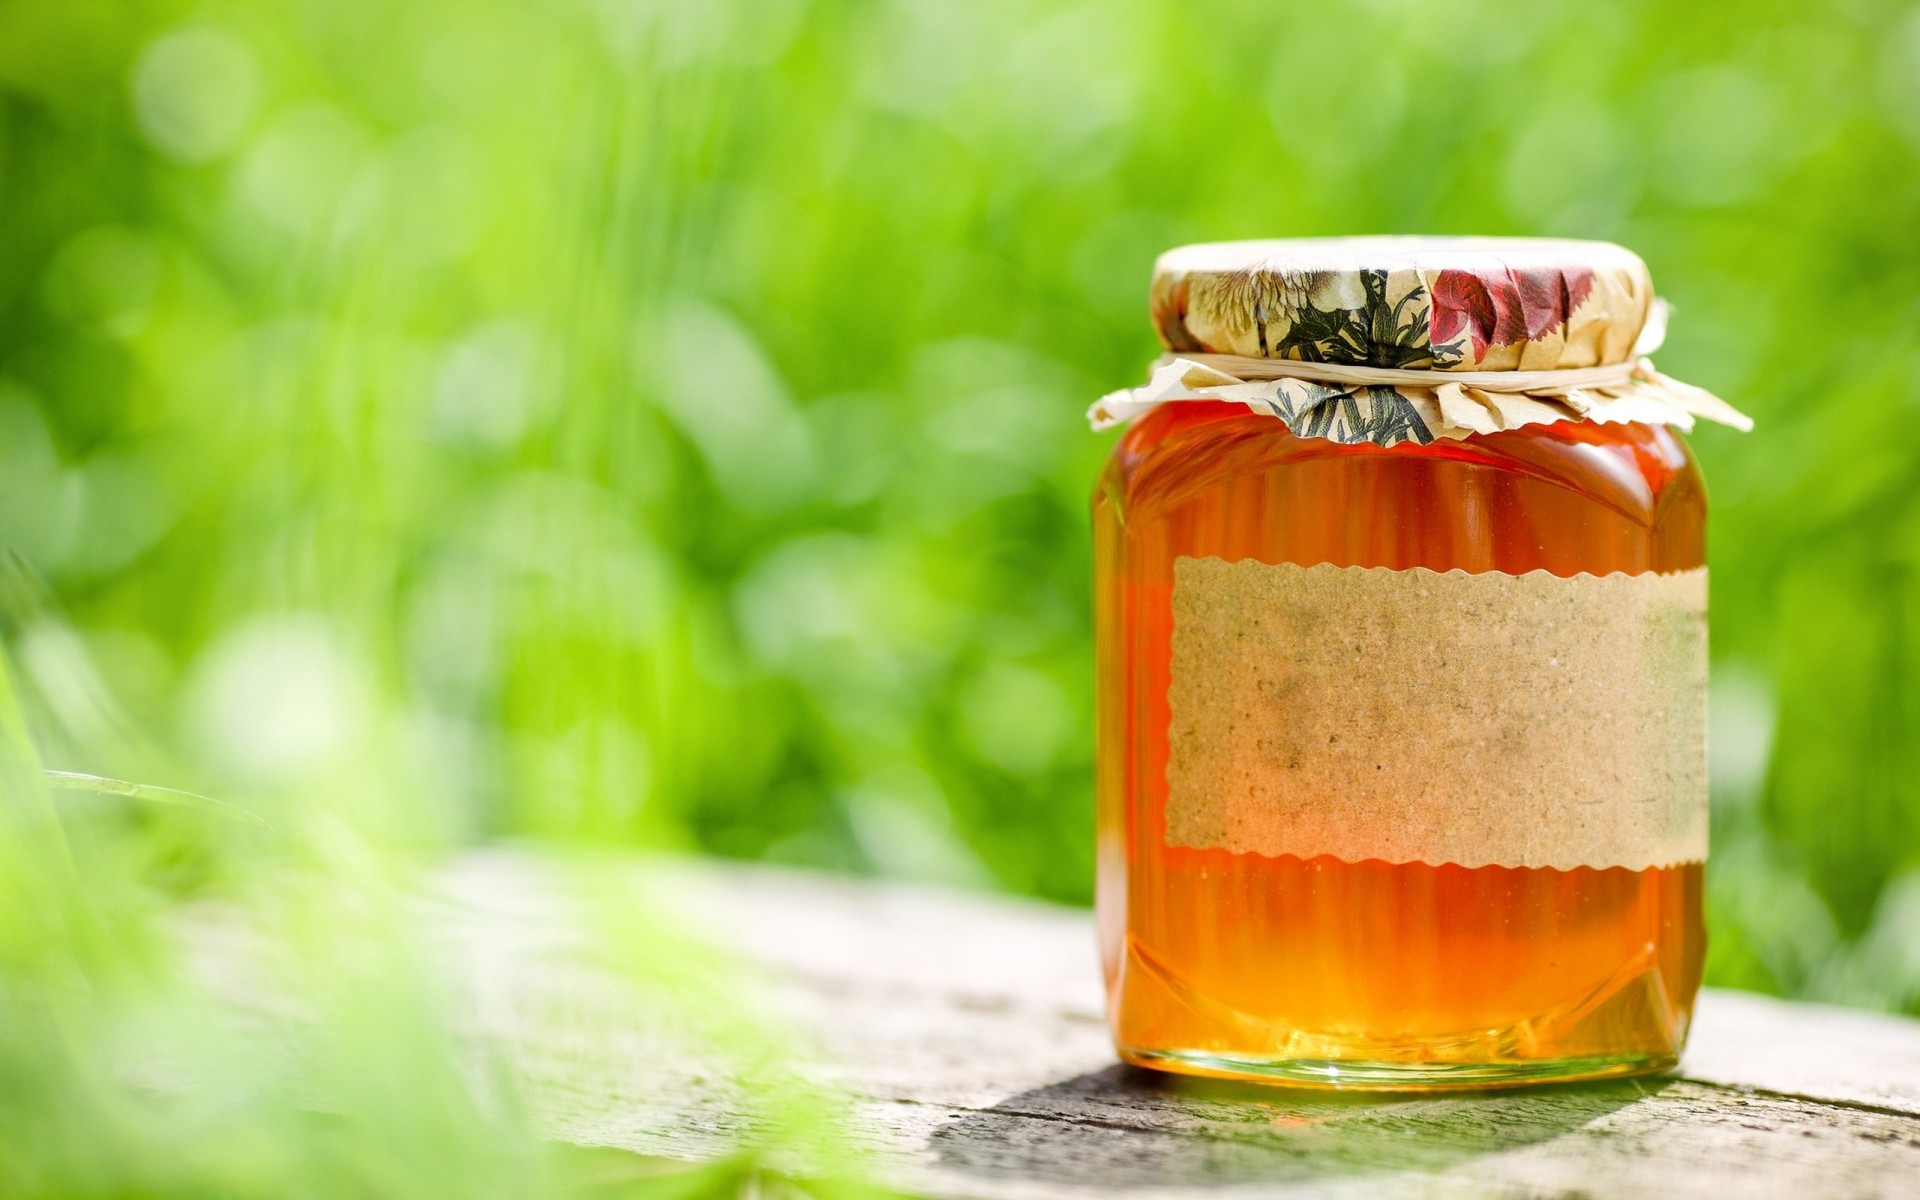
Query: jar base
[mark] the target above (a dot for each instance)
(1361, 1075)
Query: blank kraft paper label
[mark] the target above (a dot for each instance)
(1418, 716)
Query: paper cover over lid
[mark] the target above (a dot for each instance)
(1427, 303)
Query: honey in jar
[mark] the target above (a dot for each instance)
(1401, 624)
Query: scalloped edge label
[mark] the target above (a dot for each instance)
(1438, 717)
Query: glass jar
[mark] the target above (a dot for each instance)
(1401, 717)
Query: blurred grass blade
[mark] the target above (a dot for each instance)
(75, 781)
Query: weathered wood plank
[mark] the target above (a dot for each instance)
(1749, 1041)
(968, 1032)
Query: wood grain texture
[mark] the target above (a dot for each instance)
(965, 1036)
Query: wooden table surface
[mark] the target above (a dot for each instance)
(966, 1032)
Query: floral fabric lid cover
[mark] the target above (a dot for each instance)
(1420, 304)
(1447, 304)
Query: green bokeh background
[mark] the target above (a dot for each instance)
(659, 424)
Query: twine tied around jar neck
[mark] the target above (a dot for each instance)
(1462, 402)
(1557, 381)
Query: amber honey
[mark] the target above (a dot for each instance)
(1374, 973)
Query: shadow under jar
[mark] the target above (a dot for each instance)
(1402, 705)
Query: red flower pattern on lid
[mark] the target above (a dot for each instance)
(1503, 307)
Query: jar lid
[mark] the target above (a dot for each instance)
(1420, 303)
(1392, 339)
